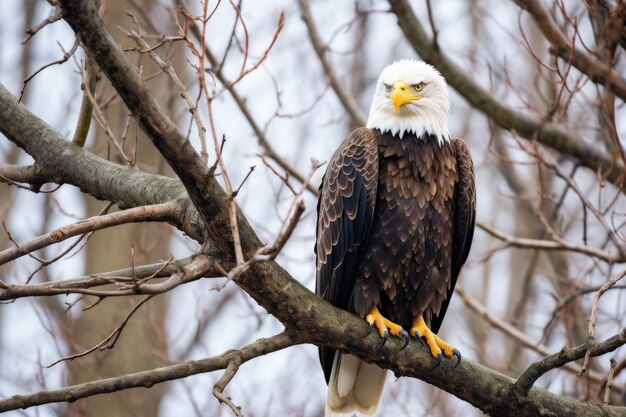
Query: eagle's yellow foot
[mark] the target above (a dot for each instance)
(384, 326)
(435, 344)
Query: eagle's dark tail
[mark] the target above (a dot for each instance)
(354, 385)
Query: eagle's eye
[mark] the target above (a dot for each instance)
(418, 87)
(388, 87)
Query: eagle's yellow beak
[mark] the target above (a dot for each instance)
(401, 95)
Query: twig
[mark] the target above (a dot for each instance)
(596, 70)
(56, 15)
(220, 385)
(547, 159)
(609, 381)
(110, 340)
(547, 133)
(431, 20)
(66, 56)
(102, 121)
(250, 171)
(592, 317)
(269, 252)
(244, 72)
(241, 103)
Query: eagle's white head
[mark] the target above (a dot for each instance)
(411, 96)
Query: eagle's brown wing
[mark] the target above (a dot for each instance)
(344, 217)
(464, 219)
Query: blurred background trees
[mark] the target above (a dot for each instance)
(538, 91)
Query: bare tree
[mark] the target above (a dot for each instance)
(541, 297)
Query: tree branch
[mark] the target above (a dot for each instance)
(126, 276)
(245, 110)
(566, 355)
(148, 378)
(520, 336)
(561, 245)
(165, 212)
(344, 96)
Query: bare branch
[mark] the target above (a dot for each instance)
(591, 339)
(520, 336)
(62, 60)
(525, 382)
(55, 16)
(77, 285)
(158, 212)
(220, 385)
(148, 378)
(560, 244)
(167, 68)
(110, 340)
(245, 110)
(346, 99)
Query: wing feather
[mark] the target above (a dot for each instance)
(464, 219)
(344, 217)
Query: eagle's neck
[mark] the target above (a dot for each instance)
(422, 121)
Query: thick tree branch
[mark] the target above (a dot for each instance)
(488, 390)
(543, 131)
(57, 160)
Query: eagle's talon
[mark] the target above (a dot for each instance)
(437, 361)
(384, 326)
(406, 337)
(457, 354)
(418, 336)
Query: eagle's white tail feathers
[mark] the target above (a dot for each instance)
(354, 386)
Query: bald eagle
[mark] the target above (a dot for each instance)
(395, 221)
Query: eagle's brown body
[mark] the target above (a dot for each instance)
(395, 222)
